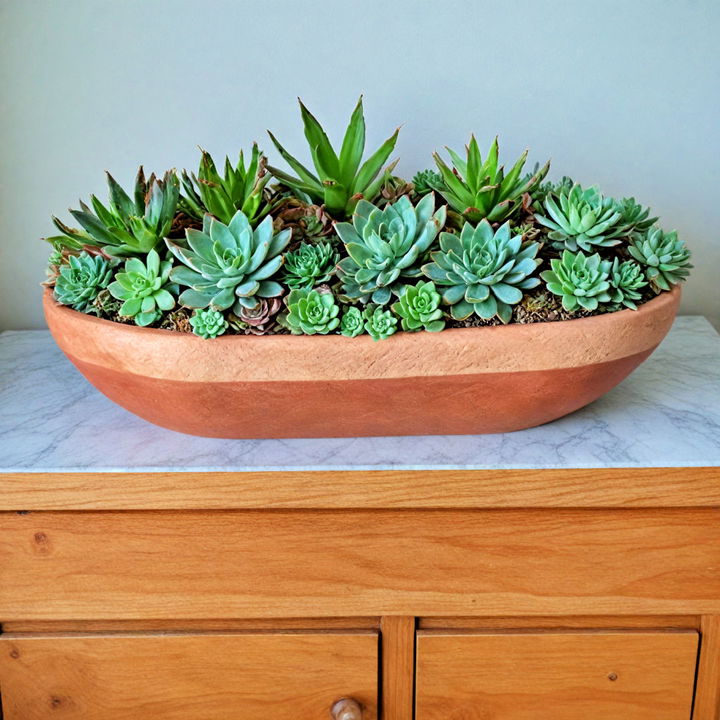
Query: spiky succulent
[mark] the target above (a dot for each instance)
(311, 312)
(582, 218)
(143, 288)
(379, 323)
(238, 188)
(426, 181)
(483, 272)
(229, 265)
(127, 227)
(665, 258)
(208, 323)
(386, 246)
(582, 281)
(80, 279)
(352, 322)
(311, 264)
(626, 278)
(419, 307)
(341, 180)
(480, 190)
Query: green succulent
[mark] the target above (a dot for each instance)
(341, 180)
(626, 278)
(310, 264)
(633, 216)
(419, 307)
(143, 287)
(548, 187)
(127, 226)
(352, 323)
(665, 258)
(311, 312)
(208, 323)
(379, 323)
(481, 190)
(238, 188)
(229, 265)
(426, 181)
(483, 272)
(582, 218)
(582, 281)
(81, 279)
(385, 246)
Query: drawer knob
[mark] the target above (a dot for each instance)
(346, 709)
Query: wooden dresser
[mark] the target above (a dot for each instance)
(570, 572)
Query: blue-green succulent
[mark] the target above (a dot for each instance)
(665, 258)
(352, 322)
(379, 323)
(208, 323)
(81, 279)
(419, 307)
(311, 312)
(582, 281)
(626, 281)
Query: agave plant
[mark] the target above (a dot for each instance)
(238, 188)
(229, 265)
(483, 272)
(481, 190)
(385, 246)
(341, 180)
(666, 259)
(127, 226)
(626, 279)
(582, 281)
(80, 279)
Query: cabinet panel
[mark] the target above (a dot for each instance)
(555, 676)
(187, 677)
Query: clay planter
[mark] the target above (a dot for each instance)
(465, 381)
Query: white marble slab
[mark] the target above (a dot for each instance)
(667, 414)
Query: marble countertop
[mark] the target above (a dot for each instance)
(666, 414)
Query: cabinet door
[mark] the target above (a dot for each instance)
(243, 676)
(555, 676)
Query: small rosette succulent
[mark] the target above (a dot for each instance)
(483, 272)
(626, 279)
(419, 308)
(386, 246)
(426, 181)
(143, 288)
(352, 322)
(81, 279)
(582, 218)
(311, 312)
(229, 265)
(208, 323)
(665, 258)
(582, 281)
(310, 265)
(379, 323)
(259, 320)
(633, 216)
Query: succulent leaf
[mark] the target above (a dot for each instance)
(80, 280)
(310, 265)
(419, 307)
(379, 324)
(311, 312)
(582, 281)
(352, 323)
(665, 258)
(626, 278)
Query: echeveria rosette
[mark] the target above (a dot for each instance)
(379, 323)
(626, 279)
(229, 265)
(633, 216)
(144, 289)
(208, 323)
(426, 181)
(352, 322)
(582, 218)
(310, 265)
(419, 308)
(665, 258)
(582, 281)
(81, 279)
(483, 272)
(385, 246)
(311, 312)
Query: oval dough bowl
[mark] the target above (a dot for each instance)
(463, 381)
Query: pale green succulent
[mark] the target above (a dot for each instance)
(626, 279)
(81, 279)
(633, 216)
(386, 246)
(419, 308)
(352, 323)
(582, 281)
(310, 264)
(144, 289)
(229, 265)
(208, 323)
(483, 272)
(311, 312)
(379, 323)
(665, 258)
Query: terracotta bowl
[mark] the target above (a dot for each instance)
(464, 381)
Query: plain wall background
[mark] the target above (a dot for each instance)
(622, 93)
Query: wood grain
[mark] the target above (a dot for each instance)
(249, 564)
(563, 622)
(203, 677)
(592, 487)
(707, 697)
(398, 667)
(643, 676)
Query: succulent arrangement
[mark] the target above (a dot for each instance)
(349, 248)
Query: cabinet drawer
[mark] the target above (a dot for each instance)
(187, 677)
(555, 676)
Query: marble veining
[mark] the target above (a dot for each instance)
(666, 414)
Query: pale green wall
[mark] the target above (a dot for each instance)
(622, 93)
